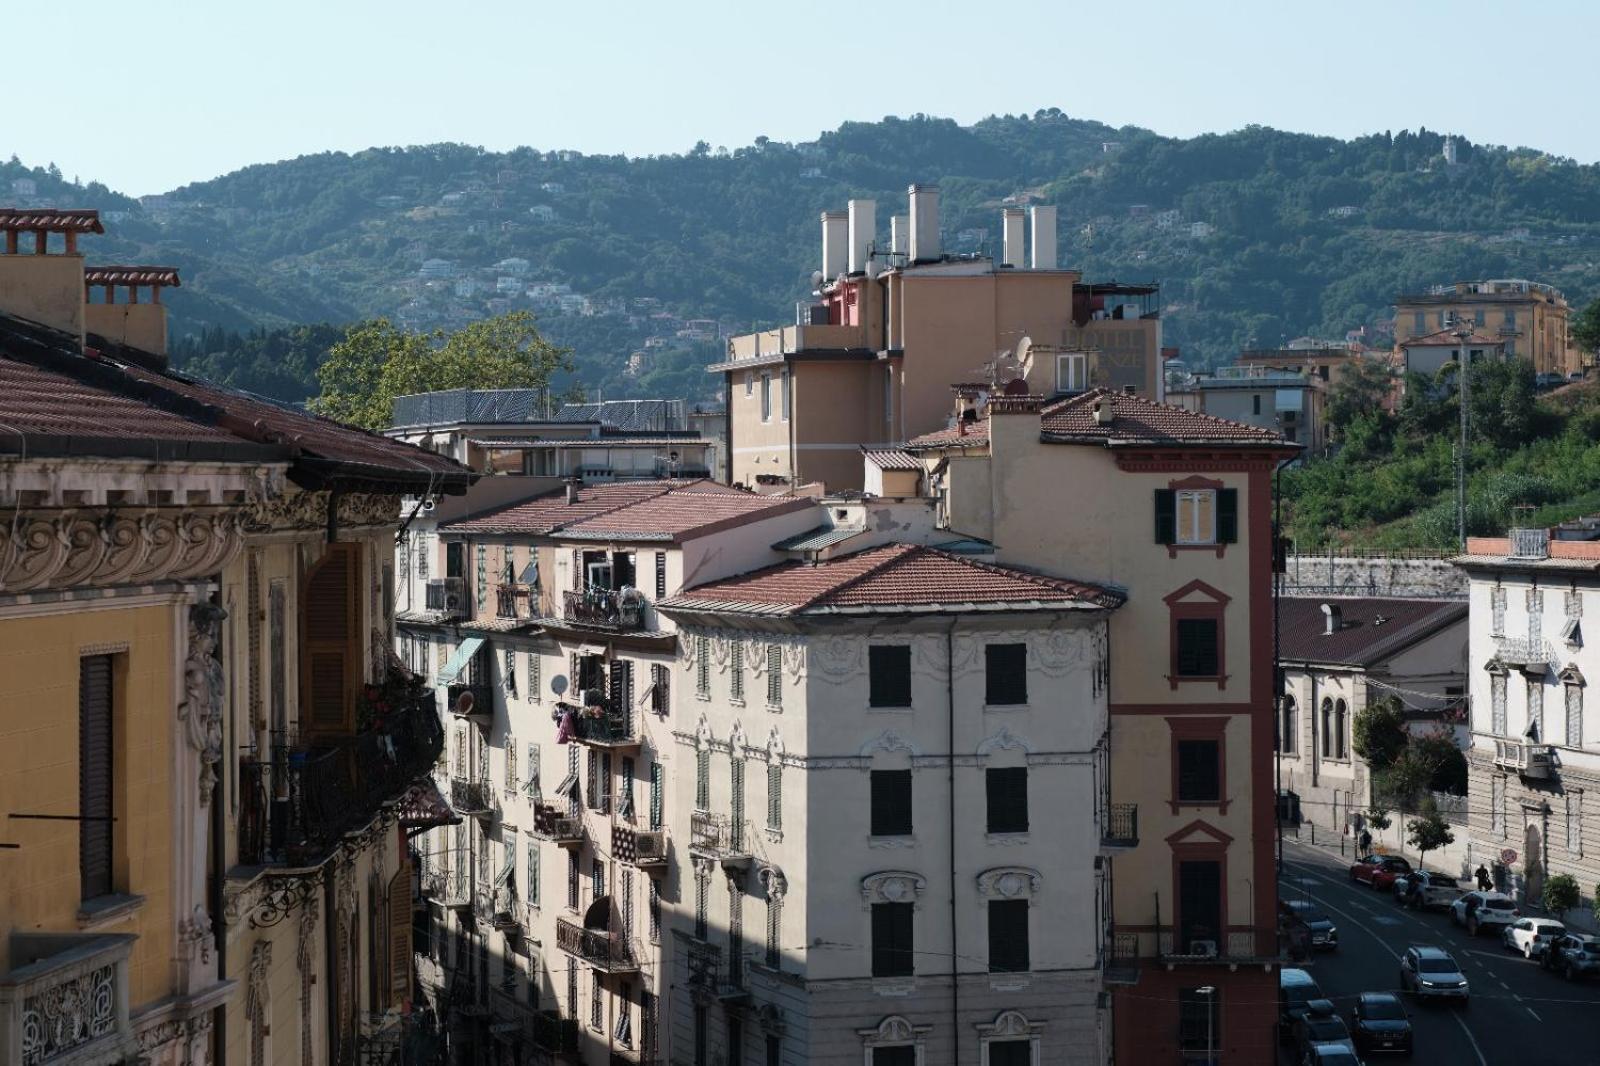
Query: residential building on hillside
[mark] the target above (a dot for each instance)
(890, 820)
(1340, 654)
(1428, 353)
(1289, 401)
(894, 322)
(1534, 764)
(195, 579)
(538, 622)
(1528, 316)
(1323, 359)
(1174, 508)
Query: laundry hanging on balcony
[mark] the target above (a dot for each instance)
(459, 660)
(567, 727)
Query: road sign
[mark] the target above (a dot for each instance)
(1508, 856)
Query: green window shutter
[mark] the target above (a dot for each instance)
(1166, 516)
(1227, 516)
(655, 795)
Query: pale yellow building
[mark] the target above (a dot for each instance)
(1528, 317)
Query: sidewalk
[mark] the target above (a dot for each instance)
(1459, 859)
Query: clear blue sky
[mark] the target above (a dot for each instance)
(147, 96)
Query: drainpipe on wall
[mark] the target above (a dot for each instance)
(219, 1023)
(950, 773)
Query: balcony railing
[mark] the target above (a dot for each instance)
(646, 849)
(1121, 962)
(296, 806)
(449, 596)
(719, 837)
(65, 999)
(472, 797)
(602, 725)
(605, 608)
(600, 948)
(1235, 946)
(1527, 759)
(1530, 544)
(1121, 829)
(1524, 651)
(513, 601)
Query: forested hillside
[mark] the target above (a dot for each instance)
(1256, 236)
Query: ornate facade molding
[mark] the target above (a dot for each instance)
(306, 943)
(194, 935)
(1009, 882)
(257, 991)
(888, 741)
(80, 547)
(298, 511)
(201, 711)
(1003, 739)
(892, 886)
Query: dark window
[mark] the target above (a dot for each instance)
(891, 939)
(1199, 1021)
(891, 803)
(1255, 404)
(1199, 904)
(700, 1036)
(94, 775)
(1010, 1053)
(900, 1055)
(1199, 771)
(1008, 936)
(889, 666)
(1227, 516)
(1197, 648)
(1008, 799)
(1006, 674)
(1166, 516)
(735, 1041)
(774, 1050)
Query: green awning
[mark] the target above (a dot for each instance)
(458, 661)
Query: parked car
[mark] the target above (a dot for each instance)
(1547, 380)
(1379, 871)
(1426, 888)
(1324, 934)
(1574, 956)
(1319, 1026)
(1478, 909)
(1296, 990)
(1379, 1022)
(1331, 1055)
(1532, 936)
(1431, 973)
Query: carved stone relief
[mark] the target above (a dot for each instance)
(201, 711)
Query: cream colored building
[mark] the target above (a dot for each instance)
(894, 322)
(1529, 317)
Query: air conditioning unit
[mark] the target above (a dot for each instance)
(447, 594)
(651, 844)
(1204, 949)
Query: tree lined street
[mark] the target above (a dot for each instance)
(1518, 1011)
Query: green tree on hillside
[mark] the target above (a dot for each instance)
(1586, 327)
(1363, 388)
(378, 361)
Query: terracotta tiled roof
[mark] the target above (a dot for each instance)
(1141, 421)
(131, 275)
(27, 220)
(896, 577)
(632, 510)
(1370, 631)
(1443, 338)
(891, 459)
(976, 433)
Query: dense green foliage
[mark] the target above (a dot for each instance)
(1378, 732)
(1561, 894)
(1313, 235)
(1428, 832)
(377, 361)
(279, 363)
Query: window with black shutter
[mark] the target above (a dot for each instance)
(1197, 647)
(1166, 516)
(1227, 516)
(94, 775)
(1008, 799)
(1199, 771)
(661, 575)
(1005, 674)
(1010, 1053)
(1008, 935)
(891, 803)
(1199, 1020)
(889, 675)
(897, 1055)
(891, 939)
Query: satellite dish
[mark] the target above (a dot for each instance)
(464, 702)
(558, 684)
(816, 279)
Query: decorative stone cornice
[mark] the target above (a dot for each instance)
(296, 511)
(78, 547)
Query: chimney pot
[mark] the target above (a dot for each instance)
(863, 227)
(1332, 617)
(1044, 238)
(1011, 237)
(924, 222)
(835, 226)
(1104, 412)
(900, 234)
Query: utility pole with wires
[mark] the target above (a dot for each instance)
(1461, 329)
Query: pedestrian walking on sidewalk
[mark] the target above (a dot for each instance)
(1482, 874)
(1366, 842)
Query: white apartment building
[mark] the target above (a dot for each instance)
(891, 766)
(1534, 764)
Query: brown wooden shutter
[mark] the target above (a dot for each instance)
(577, 569)
(331, 653)
(94, 774)
(253, 635)
(400, 936)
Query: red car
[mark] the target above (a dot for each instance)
(1379, 871)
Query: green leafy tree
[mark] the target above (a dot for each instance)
(1585, 329)
(1378, 733)
(1378, 818)
(1428, 832)
(1363, 388)
(1560, 894)
(377, 361)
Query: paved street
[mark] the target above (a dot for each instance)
(1519, 1013)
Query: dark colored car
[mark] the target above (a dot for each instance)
(1379, 871)
(1379, 1023)
(1318, 1026)
(1331, 1055)
(1324, 934)
(1296, 990)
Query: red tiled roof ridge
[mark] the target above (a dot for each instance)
(664, 488)
(892, 554)
(119, 274)
(53, 219)
(1082, 398)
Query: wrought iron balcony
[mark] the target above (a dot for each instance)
(600, 725)
(555, 1034)
(1120, 964)
(1234, 946)
(298, 804)
(605, 608)
(1121, 828)
(716, 836)
(513, 601)
(558, 826)
(475, 798)
(646, 849)
(449, 596)
(1530, 544)
(65, 999)
(603, 949)
(1527, 759)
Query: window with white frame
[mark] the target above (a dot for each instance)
(783, 382)
(1575, 822)
(1574, 693)
(1072, 372)
(766, 397)
(534, 682)
(1197, 516)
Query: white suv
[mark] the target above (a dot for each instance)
(1532, 936)
(1478, 909)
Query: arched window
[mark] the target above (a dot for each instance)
(1341, 729)
(1327, 727)
(1289, 740)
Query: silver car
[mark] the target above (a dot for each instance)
(1431, 973)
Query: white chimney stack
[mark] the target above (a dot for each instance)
(1105, 412)
(1011, 237)
(834, 232)
(1044, 238)
(863, 227)
(1332, 618)
(924, 222)
(900, 234)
